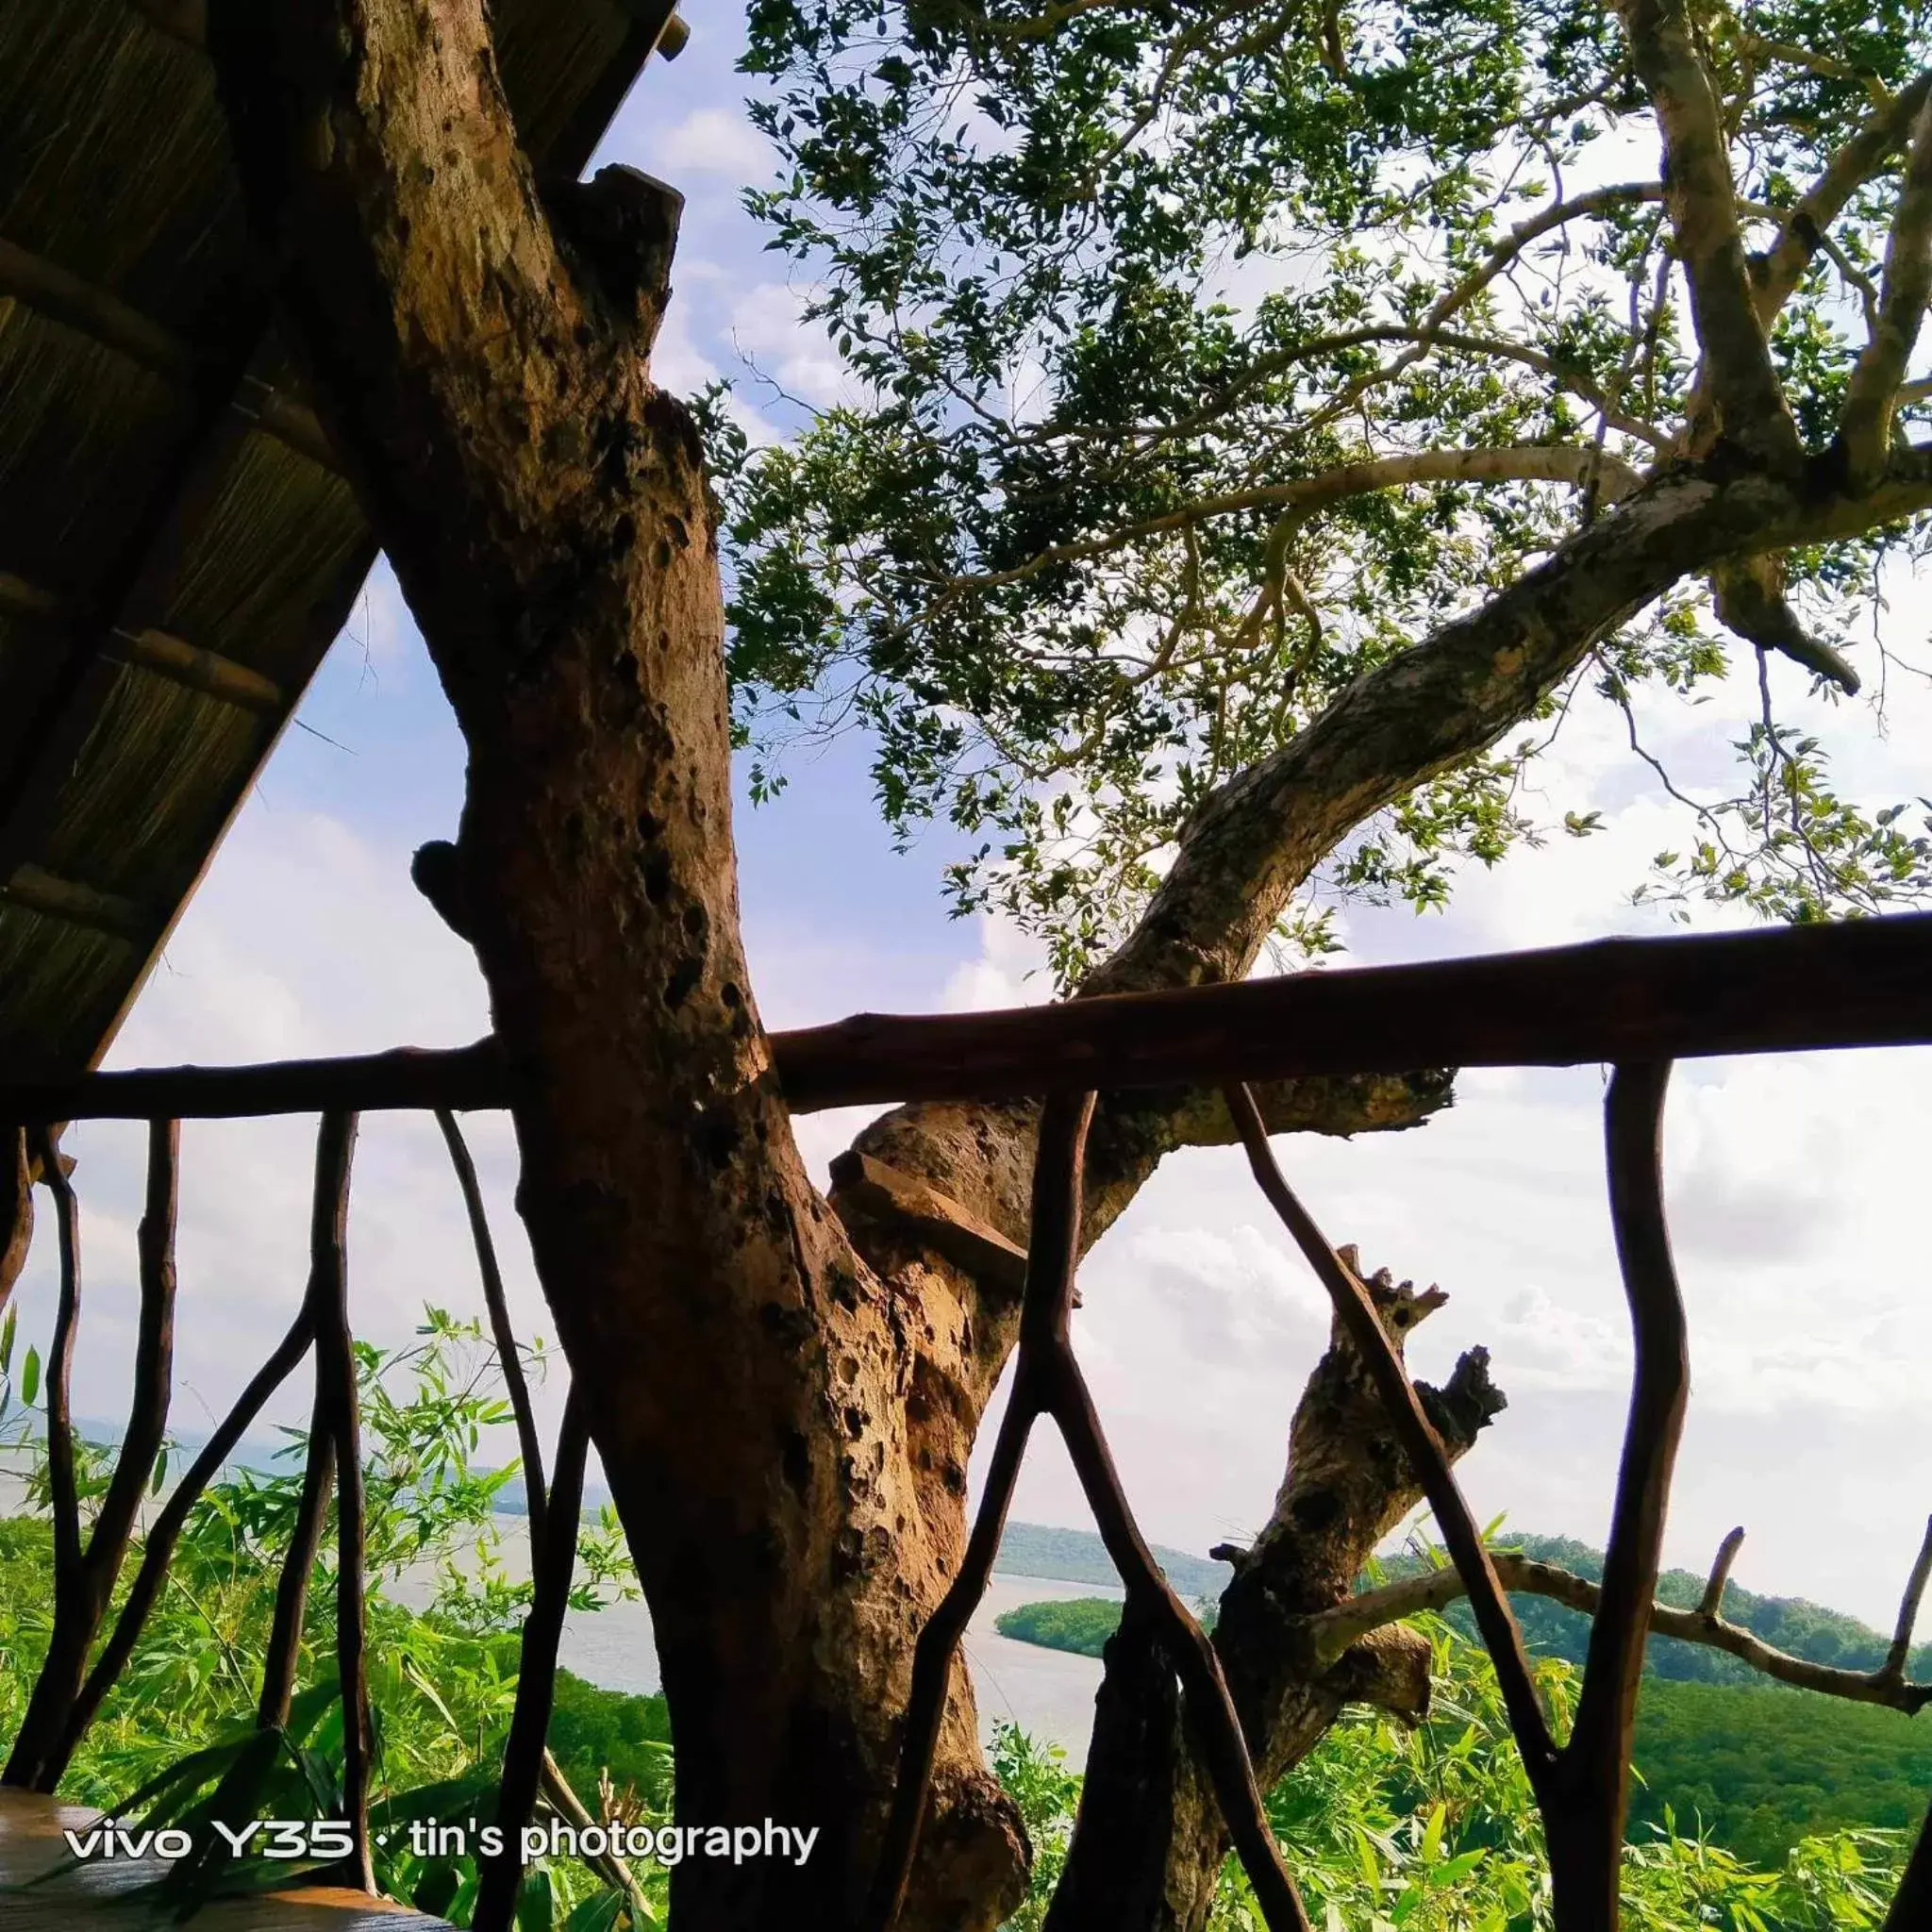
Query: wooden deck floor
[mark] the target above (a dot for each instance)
(103, 1895)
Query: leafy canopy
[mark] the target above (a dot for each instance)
(1204, 355)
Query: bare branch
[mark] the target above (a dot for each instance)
(1051, 1256)
(1780, 990)
(1872, 396)
(1213, 1722)
(1702, 199)
(1712, 1602)
(611, 1867)
(337, 1407)
(35, 1744)
(61, 1485)
(1332, 1631)
(1047, 1379)
(298, 1567)
(147, 1418)
(1900, 1654)
(1810, 61)
(1749, 598)
(1596, 1759)
(530, 1444)
(1430, 1461)
(1779, 272)
(165, 1532)
(524, 1755)
(1370, 1102)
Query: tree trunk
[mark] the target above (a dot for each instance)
(757, 1392)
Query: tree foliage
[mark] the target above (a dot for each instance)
(1203, 359)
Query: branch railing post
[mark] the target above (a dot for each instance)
(1047, 1381)
(554, 1561)
(1586, 1830)
(154, 1367)
(85, 1571)
(516, 1385)
(1355, 1310)
(60, 1671)
(298, 1570)
(1582, 1788)
(165, 1533)
(338, 1409)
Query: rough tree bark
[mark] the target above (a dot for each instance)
(785, 1397)
(480, 348)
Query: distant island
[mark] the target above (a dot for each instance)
(1078, 1556)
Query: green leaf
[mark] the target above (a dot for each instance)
(536, 1910)
(6, 1340)
(1431, 1847)
(601, 1912)
(30, 1377)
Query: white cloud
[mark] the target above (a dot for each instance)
(768, 331)
(1009, 971)
(713, 140)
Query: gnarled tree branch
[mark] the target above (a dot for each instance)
(1871, 395)
(1776, 273)
(1702, 199)
(1332, 1631)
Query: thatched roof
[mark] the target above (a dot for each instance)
(176, 549)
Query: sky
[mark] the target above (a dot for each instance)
(1796, 1184)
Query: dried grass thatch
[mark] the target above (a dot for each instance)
(176, 552)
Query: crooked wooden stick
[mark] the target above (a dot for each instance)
(1900, 1654)
(1586, 1830)
(154, 1361)
(1332, 1631)
(1212, 1720)
(530, 1444)
(81, 1598)
(553, 1564)
(1712, 1603)
(338, 1408)
(1052, 1250)
(298, 1569)
(67, 1645)
(1048, 1380)
(1355, 1310)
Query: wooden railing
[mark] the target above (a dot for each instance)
(1636, 1005)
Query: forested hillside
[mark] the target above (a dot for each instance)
(1758, 1766)
(1788, 1623)
(1077, 1556)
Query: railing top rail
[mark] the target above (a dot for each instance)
(1786, 990)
